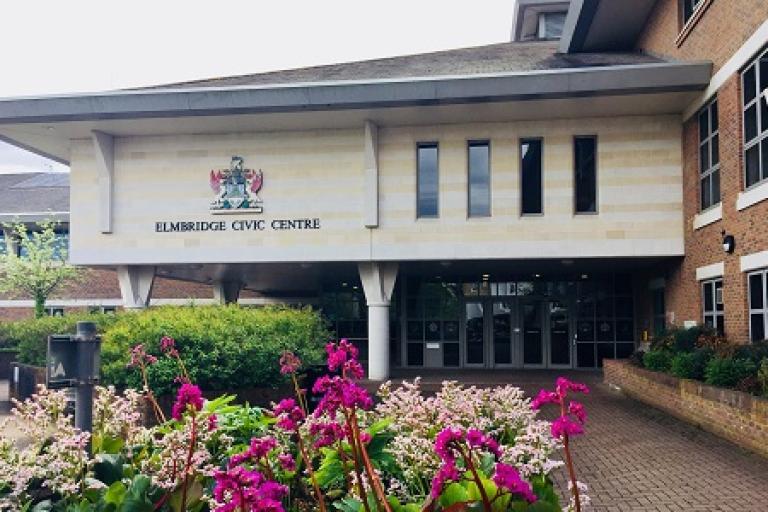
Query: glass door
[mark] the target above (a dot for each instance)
(502, 332)
(532, 325)
(559, 335)
(474, 334)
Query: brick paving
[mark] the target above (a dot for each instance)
(635, 458)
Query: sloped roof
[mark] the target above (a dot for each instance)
(495, 58)
(33, 193)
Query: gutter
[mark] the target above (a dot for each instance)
(324, 96)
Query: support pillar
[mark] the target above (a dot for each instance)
(136, 285)
(11, 241)
(227, 292)
(104, 146)
(378, 282)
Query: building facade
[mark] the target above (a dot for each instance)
(526, 204)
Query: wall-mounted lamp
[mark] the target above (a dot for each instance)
(729, 243)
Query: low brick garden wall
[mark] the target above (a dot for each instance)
(739, 417)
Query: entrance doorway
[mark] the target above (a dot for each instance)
(517, 332)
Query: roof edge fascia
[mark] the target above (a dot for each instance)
(315, 96)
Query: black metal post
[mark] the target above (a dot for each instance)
(88, 359)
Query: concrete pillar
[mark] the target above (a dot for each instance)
(227, 292)
(11, 242)
(378, 282)
(136, 285)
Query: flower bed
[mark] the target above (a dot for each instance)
(734, 415)
(462, 449)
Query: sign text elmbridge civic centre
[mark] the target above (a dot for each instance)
(236, 225)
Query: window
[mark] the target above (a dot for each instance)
(689, 8)
(54, 311)
(530, 165)
(585, 164)
(713, 305)
(709, 156)
(427, 180)
(551, 25)
(754, 81)
(479, 179)
(758, 305)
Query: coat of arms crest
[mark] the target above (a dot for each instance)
(236, 189)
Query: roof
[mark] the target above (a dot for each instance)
(34, 196)
(510, 57)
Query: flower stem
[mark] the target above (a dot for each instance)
(569, 463)
(192, 443)
(356, 460)
(308, 462)
(467, 456)
(375, 482)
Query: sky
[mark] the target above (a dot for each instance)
(54, 46)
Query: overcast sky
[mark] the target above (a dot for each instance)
(56, 46)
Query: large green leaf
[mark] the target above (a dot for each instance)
(454, 493)
(115, 494)
(108, 468)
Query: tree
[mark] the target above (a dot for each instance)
(40, 267)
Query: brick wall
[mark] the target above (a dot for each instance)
(736, 416)
(704, 246)
(716, 36)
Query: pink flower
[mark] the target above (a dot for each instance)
(258, 449)
(339, 392)
(289, 363)
(563, 385)
(507, 478)
(444, 440)
(139, 356)
(213, 422)
(240, 489)
(577, 409)
(327, 433)
(286, 462)
(564, 426)
(343, 357)
(447, 472)
(544, 397)
(168, 346)
(189, 397)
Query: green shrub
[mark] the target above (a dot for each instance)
(31, 335)
(690, 365)
(762, 377)
(755, 352)
(657, 360)
(223, 347)
(680, 339)
(727, 372)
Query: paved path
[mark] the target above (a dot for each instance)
(636, 458)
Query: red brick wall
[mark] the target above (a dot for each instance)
(716, 36)
(704, 246)
(736, 416)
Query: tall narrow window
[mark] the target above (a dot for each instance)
(689, 8)
(479, 179)
(709, 156)
(712, 292)
(530, 166)
(758, 305)
(427, 180)
(585, 162)
(754, 83)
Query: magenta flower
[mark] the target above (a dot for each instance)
(563, 385)
(447, 472)
(258, 449)
(288, 414)
(544, 397)
(564, 426)
(213, 422)
(189, 397)
(327, 433)
(343, 357)
(577, 409)
(240, 489)
(507, 478)
(339, 392)
(289, 363)
(286, 461)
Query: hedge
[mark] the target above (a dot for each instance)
(223, 347)
(31, 335)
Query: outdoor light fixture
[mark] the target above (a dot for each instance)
(537, 276)
(585, 276)
(729, 243)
